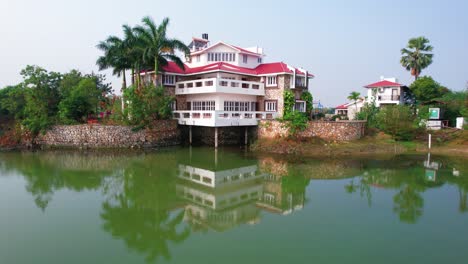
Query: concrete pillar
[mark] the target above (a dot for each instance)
(246, 135)
(216, 137)
(190, 135)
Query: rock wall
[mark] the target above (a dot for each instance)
(162, 133)
(327, 130)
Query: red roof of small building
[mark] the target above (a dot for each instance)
(383, 84)
(262, 69)
(342, 106)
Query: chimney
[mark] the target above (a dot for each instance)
(205, 36)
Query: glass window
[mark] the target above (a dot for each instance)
(271, 81)
(271, 106)
(244, 58)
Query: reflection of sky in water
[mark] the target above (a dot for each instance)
(198, 205)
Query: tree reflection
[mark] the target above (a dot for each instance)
(408, 204)
(141, 214)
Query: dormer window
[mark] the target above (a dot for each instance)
(244, 58)
(259, 60)
(221, 56)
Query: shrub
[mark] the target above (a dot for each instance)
(146, 104)
(398, 121)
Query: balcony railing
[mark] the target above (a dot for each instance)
(388, 98)
(222, 118)
(220, 85)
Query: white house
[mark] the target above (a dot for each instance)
(386, 92)
(225, 85)
(350, 109)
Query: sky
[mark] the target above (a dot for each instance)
(345, 44)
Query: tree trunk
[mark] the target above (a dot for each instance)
(124, 87)
(155, 80)
(133, 75)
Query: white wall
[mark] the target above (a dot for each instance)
(386, 92)
(252, 61)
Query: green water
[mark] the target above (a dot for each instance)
(200, 206)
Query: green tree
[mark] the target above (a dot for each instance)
(417, 56)
(147, 104)
(398, 121)
(157, 47)
(42, 97)
(12, 102)
(82, 101)
(308, 98)
(426, 89)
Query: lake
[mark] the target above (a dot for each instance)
(198, 205)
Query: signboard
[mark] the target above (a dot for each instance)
(434, 113)
(434, 124)
(430, 175)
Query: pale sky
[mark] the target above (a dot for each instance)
(346, 44)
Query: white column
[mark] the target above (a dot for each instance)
(216, 137)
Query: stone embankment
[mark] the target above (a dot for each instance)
(327, 130)
(162, 133)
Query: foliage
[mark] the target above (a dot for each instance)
(308, 98)
(398, 121)
(81, 101)
(455, 105)
(417, 55)
(41, 98)
(296, 121)
(369, 113)
(12, 101)
(426, 89)
(146, 104)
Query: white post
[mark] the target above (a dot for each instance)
(216, 137)
(430, 141)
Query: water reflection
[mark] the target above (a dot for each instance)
(154, 201)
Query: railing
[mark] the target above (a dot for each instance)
(388, 98)
(220, 85)
(222, 118)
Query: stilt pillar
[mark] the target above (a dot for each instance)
(216, 137)
(246, 135)
(190, 135)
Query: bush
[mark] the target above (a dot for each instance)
(398, 121)
(369, 113)
(81, 101)
(146, 104)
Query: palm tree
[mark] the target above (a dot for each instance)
(114, 57)
(417, 56)
(354, 96)
(157, 47)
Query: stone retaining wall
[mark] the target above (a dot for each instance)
(162, 133)
(327, 130)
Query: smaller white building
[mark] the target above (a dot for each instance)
(350, 109)
(386, 92)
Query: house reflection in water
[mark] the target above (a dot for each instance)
(225, 198)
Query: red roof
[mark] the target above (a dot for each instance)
(262, 69)
(342, 106)
(383, 84)
(246, 51)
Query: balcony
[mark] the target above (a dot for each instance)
(220, 85)
(221, 118)
(388, 98)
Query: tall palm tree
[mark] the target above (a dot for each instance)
(157, 47)
(417, 56)
(354, 96)
(114, 57)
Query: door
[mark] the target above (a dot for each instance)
(395, 95)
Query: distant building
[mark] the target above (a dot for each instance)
(350, 109)
(387, 92)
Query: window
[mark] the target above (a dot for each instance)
(271, 106)
(300, 106)
(174, 105)
(221, 56)
(239, 106)
(203, 105)
(168, 79)
(244, 58)
(259, 60)
(271, 81)
(198, 58)
(300, 81)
